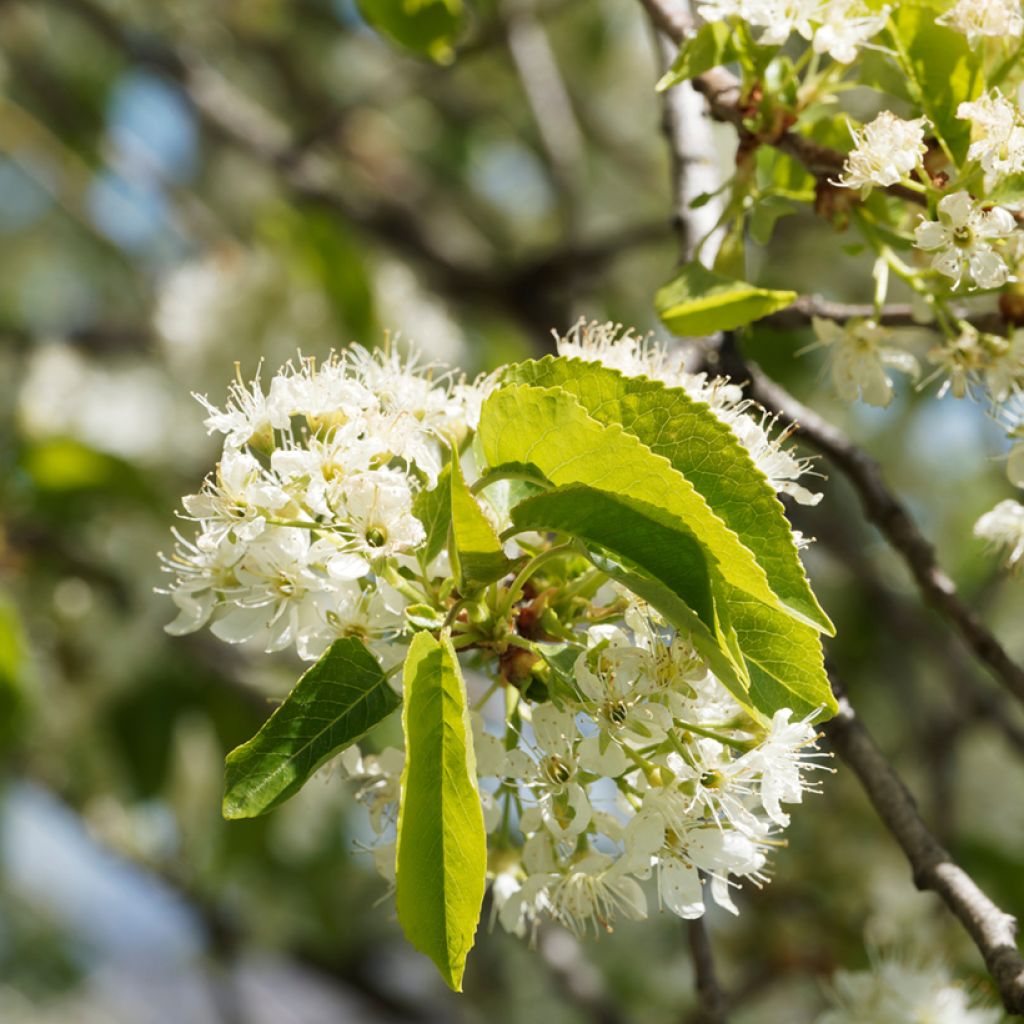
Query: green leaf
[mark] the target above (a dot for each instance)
(427, 27)
(698, 302)
(713, 45)
(645, 538)
(942, 70)
(477, 555)
(433, 509)
(549, 428)
(336, 702)
(700, 447)
(787, 668)
(441, 862)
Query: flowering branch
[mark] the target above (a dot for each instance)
(724, 95)
(992, 929)
(890, 516)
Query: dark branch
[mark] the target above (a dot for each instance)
(711, 1001)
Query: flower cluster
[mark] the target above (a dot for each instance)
(836, 27)
(309, 515)
(643, 767)
(903, 993)
(621, 760)
(884, 152)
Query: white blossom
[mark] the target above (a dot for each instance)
(845, 26)
(979, 18)
(961, 240)
(836, 27)
(860, 357)
(1003, 528)
(885, 151)
(313, 498)
(902, 993)
(997, 134)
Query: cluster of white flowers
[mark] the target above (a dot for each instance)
(885, 152)
(311, 505)
(836, 27)
(636, 762)
(645, 767)
(997, 135)
(903, 993)
(638, 356)
(979, 18)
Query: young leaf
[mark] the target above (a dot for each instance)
(942, 70)
(427, 27)
(336, 702)
(434, 510)
(549, 428)
(698, 301)
(701, 447)
(441, 861)
(713, 45)
(681, 585)
(477, 555)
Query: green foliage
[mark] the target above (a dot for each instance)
(652, 478)
(941, 69)
(698, 301)
(476, 553)
(433, 509)
(427, 27)
(441, 861)
(662, 561)
(713, 44)
(335, 703)
(701, 448)
(549, 428)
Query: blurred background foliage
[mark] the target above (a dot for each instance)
(189, 184)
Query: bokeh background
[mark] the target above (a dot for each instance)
(189, 185)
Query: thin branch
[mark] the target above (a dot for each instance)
(711, 1000)
(549, 101)
(992, 929)
(897, 314)
(884, 509)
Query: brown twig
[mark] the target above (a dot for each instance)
(711, 1000)
(992, 929)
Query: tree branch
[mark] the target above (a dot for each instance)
(992, 929)
(711, 1000)
(897, 314)
(525, 291)
(887, 513)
